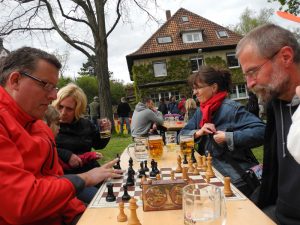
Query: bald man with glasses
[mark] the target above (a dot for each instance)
(270, 59)
(34, 189)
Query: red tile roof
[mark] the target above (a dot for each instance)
(174, 27)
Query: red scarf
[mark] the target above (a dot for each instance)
(210, 106)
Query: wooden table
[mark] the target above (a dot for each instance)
(174, 126)
(239, 212)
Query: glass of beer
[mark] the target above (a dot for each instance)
(155, 145)
(186, 144)
(171, 140)
(104, 127)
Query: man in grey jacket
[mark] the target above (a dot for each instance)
(145, 117)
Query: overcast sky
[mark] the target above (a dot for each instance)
(126, 38)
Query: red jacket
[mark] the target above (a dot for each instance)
(32, 188)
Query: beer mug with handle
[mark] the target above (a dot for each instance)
(203, 204)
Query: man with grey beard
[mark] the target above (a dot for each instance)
(270, 60)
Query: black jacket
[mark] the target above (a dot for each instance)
(77, 138)
(123, 109)
(281, 179)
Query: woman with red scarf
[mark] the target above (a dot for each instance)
(223, 127)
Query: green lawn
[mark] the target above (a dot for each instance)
(116, 145)
(258, 152)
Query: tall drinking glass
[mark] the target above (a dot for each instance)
(186, 144)
(155, 145)
(203, 204)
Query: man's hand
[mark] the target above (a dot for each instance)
(219, 137)
(207, 128)
(75, 161)
(97, 175)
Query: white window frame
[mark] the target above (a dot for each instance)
(232, 55)
(164, 40)
(222, 34)
(160, 68)
(237, 95)
(190, 37)
(197, 60)
(185, 19)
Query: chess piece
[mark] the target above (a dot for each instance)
(126, 196)
(193, 156)
(117, 166)
(130, 170)
(130, 179)
(153, 172)
(142, 171)
(179, 168)
(110, 193)
(227, 189)
(122, 216)
(172, 175)
(130, 162)
(158, 176)
(156, 168)
(191, 168)
(199, 162)
(207, 178)
(143, 180)
(196, 171)
(185, 159)
(146, 167)
(133, 219)
(185, 174)
(204, 167)
(209, 170)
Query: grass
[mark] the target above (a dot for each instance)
(116, 145)
(258, 152)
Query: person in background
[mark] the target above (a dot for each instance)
(34, 189)
(145, 118)
(94, 110)
(191, 107)
(123, 112)
(224, 127)
(181, 106)
(270, 59)
(252, 104)
(77, 135)
(51, 118)
(162, 107)
(173, 106)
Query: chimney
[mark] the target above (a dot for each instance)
(168, 14)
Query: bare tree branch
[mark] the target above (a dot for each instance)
(26, 29)
(117, 19)
(146, 11)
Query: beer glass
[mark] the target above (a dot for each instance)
(171, 140)
(186, 144)
(104, 127)
(203, 204)
(155, 145)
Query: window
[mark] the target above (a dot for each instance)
(222, 34)
(185, 19)
(232, 61)
(164, 95)
(163, 40)
(155, 98)
(160, 69)
(192, 37)
(176, 94)
(196, 63)
(239, 92)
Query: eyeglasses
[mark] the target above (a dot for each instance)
(46, 86)
(252, 73)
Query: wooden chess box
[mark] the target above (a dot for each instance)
(158, 195)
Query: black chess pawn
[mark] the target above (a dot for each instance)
(142, 171)
(146, 167)
(185, 160)
(126, 196)
(130, 161)
(156, 168)
(110, 193)
(117, 166)
(193, 156)
(153, 172)
(131, 170)
(130, 179)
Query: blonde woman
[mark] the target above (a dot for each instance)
(190, 106)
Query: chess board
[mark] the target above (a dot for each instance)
(99, 200)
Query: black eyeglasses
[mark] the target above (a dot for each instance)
(46, 86)
(252, 73)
